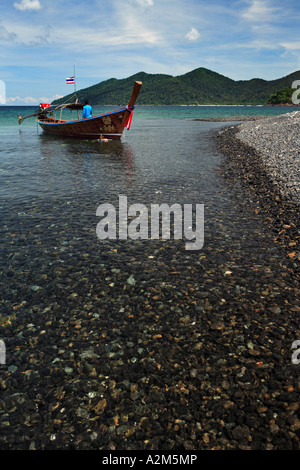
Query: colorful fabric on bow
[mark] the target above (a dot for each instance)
(129, 119)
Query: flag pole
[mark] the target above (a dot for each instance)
(74, 81)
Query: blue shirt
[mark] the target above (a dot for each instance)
(87, 111)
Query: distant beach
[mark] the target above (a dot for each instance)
(230, 118)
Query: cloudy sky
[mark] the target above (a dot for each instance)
(42, 40)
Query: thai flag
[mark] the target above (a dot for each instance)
(69, 81)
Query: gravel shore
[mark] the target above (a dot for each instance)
(264, 158)
(276, 140)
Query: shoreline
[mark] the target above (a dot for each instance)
(266, 192)
(231, 118)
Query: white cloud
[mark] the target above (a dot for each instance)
(28, 5)
(291, 46)
(30, 100)
(193, 35)
(259, 10)
(145, 3)
(26, 35)
(6, 35)
(44, 99)
(18, 100)
(130, 32)
(39, 41)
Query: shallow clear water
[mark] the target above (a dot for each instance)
(51, 187)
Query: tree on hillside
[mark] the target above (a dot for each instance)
(283, 96)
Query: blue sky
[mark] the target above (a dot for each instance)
(42, 40)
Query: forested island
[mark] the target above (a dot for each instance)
(198, 87)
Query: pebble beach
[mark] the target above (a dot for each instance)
(276, 140)
(143, 346)
(265, 154)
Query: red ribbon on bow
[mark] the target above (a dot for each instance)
(129, 119)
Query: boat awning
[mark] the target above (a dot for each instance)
(74, 106)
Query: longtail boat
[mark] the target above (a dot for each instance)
(109, 125)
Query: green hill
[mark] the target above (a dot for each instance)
(200, 86)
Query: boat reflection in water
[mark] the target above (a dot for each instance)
(86, 164)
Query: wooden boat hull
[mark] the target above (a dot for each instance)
(110, 125)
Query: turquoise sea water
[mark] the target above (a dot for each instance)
(8, 114)
(24, 147)
(194, 112)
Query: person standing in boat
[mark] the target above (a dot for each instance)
(87, 110)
